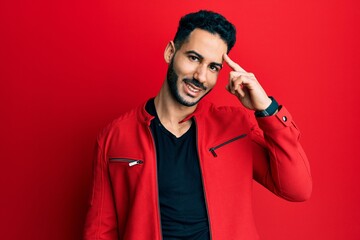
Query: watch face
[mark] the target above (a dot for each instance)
(262, 113)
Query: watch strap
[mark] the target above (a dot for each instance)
(270, 110)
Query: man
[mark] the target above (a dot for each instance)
(179, 167)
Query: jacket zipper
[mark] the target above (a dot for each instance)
(202, 179)
(157, 182)
(131, 162)
(212, 150)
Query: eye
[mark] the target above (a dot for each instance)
(214, 68)
(194, 58)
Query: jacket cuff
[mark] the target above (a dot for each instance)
(280, 120)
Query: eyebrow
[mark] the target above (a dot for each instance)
(201, 57)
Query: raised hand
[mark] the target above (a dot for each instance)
(245, 87)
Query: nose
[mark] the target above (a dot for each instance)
(200, 73)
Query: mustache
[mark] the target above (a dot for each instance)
(195, 82)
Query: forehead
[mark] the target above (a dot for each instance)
(209, 45)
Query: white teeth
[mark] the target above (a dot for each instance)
(192, 89)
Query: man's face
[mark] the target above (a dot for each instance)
(194, 68)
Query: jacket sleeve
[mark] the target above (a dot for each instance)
(280, 163)
(101, 220)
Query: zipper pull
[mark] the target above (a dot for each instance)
(136, 162)
(212, 150)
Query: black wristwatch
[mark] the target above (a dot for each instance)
(270, 110)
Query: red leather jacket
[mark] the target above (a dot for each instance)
(233, 149)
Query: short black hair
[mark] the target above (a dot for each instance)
(206, 20)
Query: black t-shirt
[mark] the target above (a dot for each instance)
(181, 196)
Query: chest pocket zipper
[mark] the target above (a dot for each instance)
(212, 150)
(130, 162)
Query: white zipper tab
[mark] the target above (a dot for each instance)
(136, 162)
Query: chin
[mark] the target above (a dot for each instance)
(190, 101)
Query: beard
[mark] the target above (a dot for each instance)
(172, 79)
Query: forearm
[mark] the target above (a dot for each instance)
(283, 167)
(101, 218)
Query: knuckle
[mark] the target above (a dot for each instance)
(235, 74)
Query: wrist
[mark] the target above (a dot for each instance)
(265, 105)
(270, 110)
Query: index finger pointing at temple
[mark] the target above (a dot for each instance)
(232, 64)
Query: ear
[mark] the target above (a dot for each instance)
(169, 51)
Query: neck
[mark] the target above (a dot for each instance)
(170, 112)
(168, 109)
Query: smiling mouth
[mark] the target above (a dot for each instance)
(193, 88)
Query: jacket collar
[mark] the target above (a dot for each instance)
(147, 117)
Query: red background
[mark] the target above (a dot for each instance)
(69, 67)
